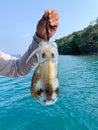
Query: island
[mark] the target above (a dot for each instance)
(83, 42)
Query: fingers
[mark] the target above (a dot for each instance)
(54, 23)
(53, 17)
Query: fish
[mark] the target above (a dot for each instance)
(45, 82)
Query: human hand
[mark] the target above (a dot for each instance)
(53, 18)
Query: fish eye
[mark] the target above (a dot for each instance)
(43, 55)
(52, 54)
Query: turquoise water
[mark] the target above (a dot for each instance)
(76, 108)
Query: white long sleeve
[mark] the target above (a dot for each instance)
(12, 67)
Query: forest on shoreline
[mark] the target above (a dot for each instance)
(84, 42)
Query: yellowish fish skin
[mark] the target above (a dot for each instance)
(45, 84)
(45, 80)
(48, 72)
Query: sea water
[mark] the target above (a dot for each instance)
(76, 108)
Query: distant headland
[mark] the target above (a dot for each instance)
(84, 42)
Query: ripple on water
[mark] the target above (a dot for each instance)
(76, 108)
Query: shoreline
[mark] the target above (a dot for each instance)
(79, 54)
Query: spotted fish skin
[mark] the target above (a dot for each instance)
(45, 83)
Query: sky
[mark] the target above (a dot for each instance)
(18, 20)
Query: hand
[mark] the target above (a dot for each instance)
(53, 18)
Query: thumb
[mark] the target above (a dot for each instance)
(46, 14)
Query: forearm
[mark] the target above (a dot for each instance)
(12, 67)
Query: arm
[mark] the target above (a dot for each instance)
(13, 67)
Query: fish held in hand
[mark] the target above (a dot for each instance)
(45, 84)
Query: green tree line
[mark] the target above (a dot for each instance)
(84, 42)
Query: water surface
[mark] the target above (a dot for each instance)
(76, 108)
